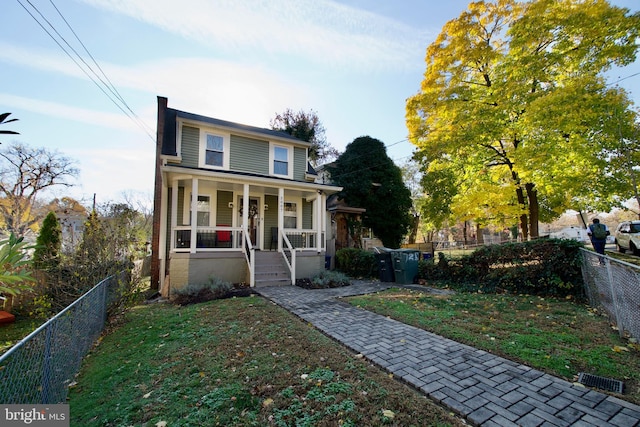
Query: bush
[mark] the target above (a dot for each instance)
(538, 267)
(195, 293)
(329, 279)
(356, 262)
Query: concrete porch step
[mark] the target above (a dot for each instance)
(279, 282)
(271, 270)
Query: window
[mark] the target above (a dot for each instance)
(214, 151)
(204, 210)
(290, 215)
(281, 161)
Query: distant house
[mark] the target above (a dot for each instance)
(72, 229)
(236, 202)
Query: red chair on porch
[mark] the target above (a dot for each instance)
(223, 238)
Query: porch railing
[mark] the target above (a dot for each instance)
(224, 237)
(220, 237)
(289, 254)
(304, 239)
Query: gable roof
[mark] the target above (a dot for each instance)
(170, 127)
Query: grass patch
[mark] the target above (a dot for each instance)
(554, 335)
(236, 362)
(12, 333)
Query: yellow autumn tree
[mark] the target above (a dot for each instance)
(515, 111)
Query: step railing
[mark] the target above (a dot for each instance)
(250, 255)
(289, 255)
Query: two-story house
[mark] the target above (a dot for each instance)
(236, 202)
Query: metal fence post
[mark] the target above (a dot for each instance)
(46, 366)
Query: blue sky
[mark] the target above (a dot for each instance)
(354, 62)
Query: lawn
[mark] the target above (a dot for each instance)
(12, 333)
(236, 362)
(557, 336)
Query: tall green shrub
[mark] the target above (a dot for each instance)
(48, 243)
(356, 262)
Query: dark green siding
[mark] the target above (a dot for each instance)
(224, 215)
(299, 163)
(190, 146)
(249, 155)
(307, 215)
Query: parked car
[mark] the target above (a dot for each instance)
(628, 237)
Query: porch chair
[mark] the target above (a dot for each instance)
(274, 238)
(223, 238)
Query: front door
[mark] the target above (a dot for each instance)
(254, 219)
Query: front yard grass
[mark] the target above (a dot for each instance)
(236, 362)
(554, 335)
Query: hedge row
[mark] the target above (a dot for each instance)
(356, 263)
(539, 267)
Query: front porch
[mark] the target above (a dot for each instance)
(235, 222)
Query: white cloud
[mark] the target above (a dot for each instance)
(321, 31)
(228, 90)
(55, 109)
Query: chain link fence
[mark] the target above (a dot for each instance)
(614, 286)
(39, 369)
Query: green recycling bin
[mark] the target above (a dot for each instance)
(405, 265)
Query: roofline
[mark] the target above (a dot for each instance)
(254, 130)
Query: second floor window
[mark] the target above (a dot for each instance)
(281, 161)
(214, 155)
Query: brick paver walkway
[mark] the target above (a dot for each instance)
(486, 389)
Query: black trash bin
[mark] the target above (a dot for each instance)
(405, 263)
(385, 264)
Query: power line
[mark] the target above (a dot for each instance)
(113, 89)
(623, 78)
(119, 101)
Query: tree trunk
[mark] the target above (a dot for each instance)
(414, 229)
(464, 233)
(479, 235)
(534, 209)
(524, 225)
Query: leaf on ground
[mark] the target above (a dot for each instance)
(619, 349)
(146, 396)
(161, 424)
(267, 402)
(388, 414)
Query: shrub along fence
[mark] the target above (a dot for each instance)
(538, 267)
(614, 287)
(40, 368)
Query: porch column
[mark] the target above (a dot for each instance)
(245, 209)
(323, 219)
(280, 216)
(174, 212)
(194, 214)
(318, 216)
